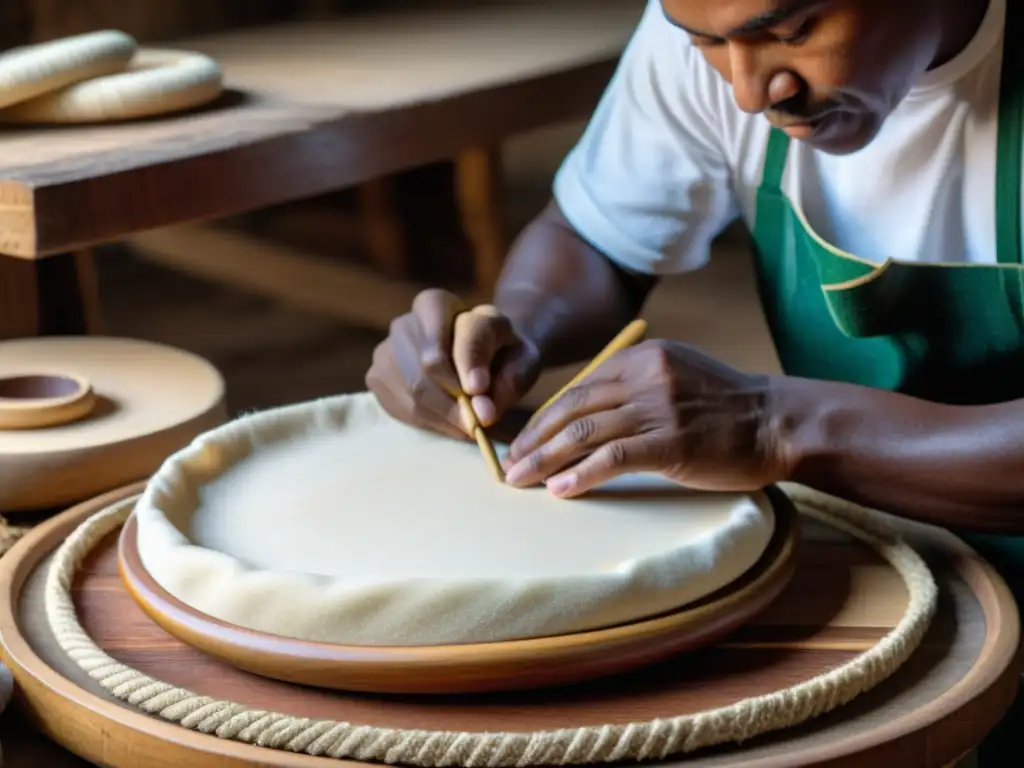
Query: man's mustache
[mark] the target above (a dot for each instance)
(798, 110)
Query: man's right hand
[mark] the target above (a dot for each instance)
(441, 349)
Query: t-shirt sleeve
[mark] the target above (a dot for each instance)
(648, 184)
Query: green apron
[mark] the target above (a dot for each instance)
(950, 333)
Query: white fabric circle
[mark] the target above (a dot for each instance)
(330, 521)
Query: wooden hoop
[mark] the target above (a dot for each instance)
(479, 667)
(934, 710)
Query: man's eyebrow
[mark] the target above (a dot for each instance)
(753, 25)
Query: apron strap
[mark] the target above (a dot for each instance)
(775, 160)
(1010, 148)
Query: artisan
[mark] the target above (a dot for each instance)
(873, 148)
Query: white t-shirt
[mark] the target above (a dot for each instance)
(668, 160)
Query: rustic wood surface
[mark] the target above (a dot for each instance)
(313, 106)
(842, 600)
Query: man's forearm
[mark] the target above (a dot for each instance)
(955, 466)
(563, 294)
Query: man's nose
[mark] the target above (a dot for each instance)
(755, 85)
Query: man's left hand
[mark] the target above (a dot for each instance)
(662, 407)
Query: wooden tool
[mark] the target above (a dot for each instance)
(627, 337)
(843, 599)
(482, 440)
(466, 407)
(82, 415)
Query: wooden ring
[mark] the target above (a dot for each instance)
(157, 82)
(474, 667)
(36, 400)
(34, 70)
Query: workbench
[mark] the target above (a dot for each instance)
(311, 107)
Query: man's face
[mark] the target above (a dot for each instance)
(829, 72)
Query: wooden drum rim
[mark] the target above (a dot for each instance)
(476, 667)
(99, 725)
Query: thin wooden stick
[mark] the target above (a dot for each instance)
(627, 337)
(486, 448)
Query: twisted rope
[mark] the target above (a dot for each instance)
(651, 740)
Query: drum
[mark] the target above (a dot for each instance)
(319, 582)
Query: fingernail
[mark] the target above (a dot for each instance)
(485, 411)
(515, 475)
(478, 381)
(561, 484)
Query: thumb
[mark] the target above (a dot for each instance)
(478, 337)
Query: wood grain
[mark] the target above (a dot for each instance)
(476, 667)
(933, 710)
(311, 108)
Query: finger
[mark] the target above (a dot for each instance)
(435, 312)
(431, 400)
(385, 381)
(579, 439)
(586, 398)
(642, 453)
(479, 335)
(401, 405)
(516, 370)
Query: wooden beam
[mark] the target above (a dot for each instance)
(344, 291)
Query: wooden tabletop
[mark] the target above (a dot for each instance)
(312, 107)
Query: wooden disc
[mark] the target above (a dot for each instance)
(842, 599)
(145, 401)
(481, 667)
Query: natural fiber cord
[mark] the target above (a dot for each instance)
(651, 740)
(10, 535)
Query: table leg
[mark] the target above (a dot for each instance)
(55, 295)
(382, 228)
(478, 182)
(19, 298)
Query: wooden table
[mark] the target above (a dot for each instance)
(312, 107)
(842, 600)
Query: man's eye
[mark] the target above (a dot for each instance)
(800, 35)
(706, 42)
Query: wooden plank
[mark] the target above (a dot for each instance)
(314, 107)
